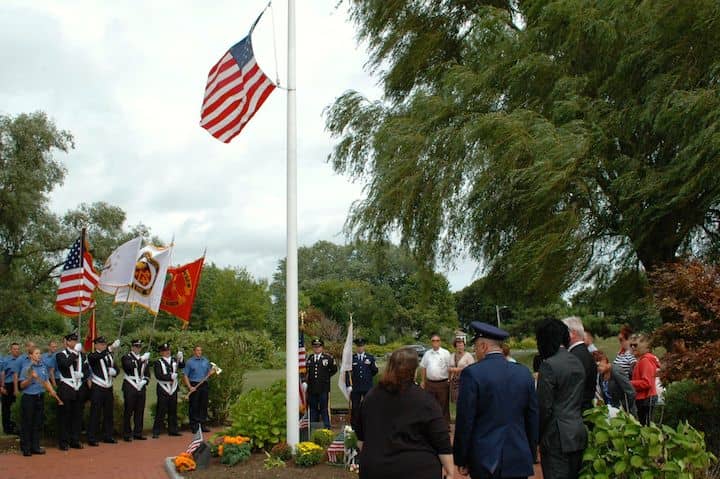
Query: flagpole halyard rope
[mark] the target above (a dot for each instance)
(272, 18)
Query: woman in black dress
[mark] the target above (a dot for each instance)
(401, 429)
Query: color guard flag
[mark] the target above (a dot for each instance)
(119, 268)
(91, 334)
(181, 288)
(236, 88)
(77, 280)
(149, 279)
(346, 364)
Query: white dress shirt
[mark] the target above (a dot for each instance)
(436, 364)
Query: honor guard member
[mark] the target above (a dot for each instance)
(102, 373)
(70, 364)
(196, 374)
(137, 375)
(166, 372)
(496, 429)
(363, 371)
(33, 381)
(7, 388)
(320, 367)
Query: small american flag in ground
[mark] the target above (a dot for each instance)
(336, 449)
(196, 441)
(236, 88)
(304, 421)
(77, 281)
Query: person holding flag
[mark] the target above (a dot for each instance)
(360, 378)
(196, 373)
(102, 373)
(166, 372)
(320, 367)
(70, 365)
(137, 377)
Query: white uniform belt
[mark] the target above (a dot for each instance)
(101, 382)
(72, 382)
(135, 382)
(168, 386)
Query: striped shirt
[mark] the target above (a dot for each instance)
(625, 363)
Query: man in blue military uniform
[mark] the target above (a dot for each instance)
(10, 364)
(496, 429)
(363, 370)
(320, 367)
(195, 375)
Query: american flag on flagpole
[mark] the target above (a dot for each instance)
(196, 441)
(236, 89)
(77, 281)
(301, 354)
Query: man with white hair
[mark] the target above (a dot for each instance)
(580, 351)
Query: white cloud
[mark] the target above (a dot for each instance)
(127, 79)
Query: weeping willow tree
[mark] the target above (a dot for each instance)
(553, 141)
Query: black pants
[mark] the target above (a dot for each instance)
(645, 408)
(318, 403)
(356, 397)
(7, 401)
(558, 465)
(32, 411)
(101, 404)
(198, 405)
(134, 408)
(69, 415)
(166, 406)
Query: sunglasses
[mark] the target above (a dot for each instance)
(435, 340)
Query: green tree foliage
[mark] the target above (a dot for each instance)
(382, 286)
(554, 140)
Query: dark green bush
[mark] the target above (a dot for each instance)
(260, 415)
(235, 453)
(698, 404)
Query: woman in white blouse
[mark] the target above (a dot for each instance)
(460, 360)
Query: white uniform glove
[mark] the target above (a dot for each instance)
(115, 344)
(179, 356)
(349, 389)
(77, 375)
(304, 386)
(78, 347)
(143, 383)
(173, 376)
(112, 372)
(145, 357)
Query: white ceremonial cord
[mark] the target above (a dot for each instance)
(272, 18)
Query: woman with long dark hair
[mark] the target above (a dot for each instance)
(401, 429)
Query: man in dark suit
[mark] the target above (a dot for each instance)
(563, 436)
(320, 367)
(579, 350)
(496, 429)
(363, 370)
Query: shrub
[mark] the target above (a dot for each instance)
(308, 454)
(260, 415)
(698, 404)
(281, 450)
(271, 462)
(323, 437)
(621, 448)
(233, 453)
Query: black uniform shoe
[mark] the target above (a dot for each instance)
(40, 451)
(155, 435)
(204, 429)
(110, 440)
(174, 434)
(77, 445)
(93, 443)
(140, 438)
(63, 447)
(127, 439)
(27, 453)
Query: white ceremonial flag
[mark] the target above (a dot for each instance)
(119, 268)
(346, 364)
(148, 282)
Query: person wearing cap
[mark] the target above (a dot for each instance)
(33, 381)
(134, 388)
(496, 428)
(561, 381)
(196, 373)
(166, 372)
(7, 387)
(102, 373)
(435, 372)
(363, 371)
(320, 367)
(70, 365)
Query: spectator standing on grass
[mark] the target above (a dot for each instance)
(459, 361)
(625, 360)
(615, 389)
(560, 389)
(401, 429)
(435, 374)
(496, 430)
(579, 350)
(589, 342)
(644, 377)
(7, 388)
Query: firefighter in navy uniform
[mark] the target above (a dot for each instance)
(166, 370)
(70, 364)
(102, 373)
(363, 370)
(137, 376)
(320, 367)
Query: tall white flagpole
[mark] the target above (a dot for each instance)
(291, 273)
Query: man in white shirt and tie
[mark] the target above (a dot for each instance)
(435, 365)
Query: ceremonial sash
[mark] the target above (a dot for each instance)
(168, 386)
(135, 380)
(106, 381)
(72, 381)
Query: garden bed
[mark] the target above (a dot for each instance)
(255, 468)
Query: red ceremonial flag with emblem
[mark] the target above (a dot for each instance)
(91, 334)
(180, 289)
